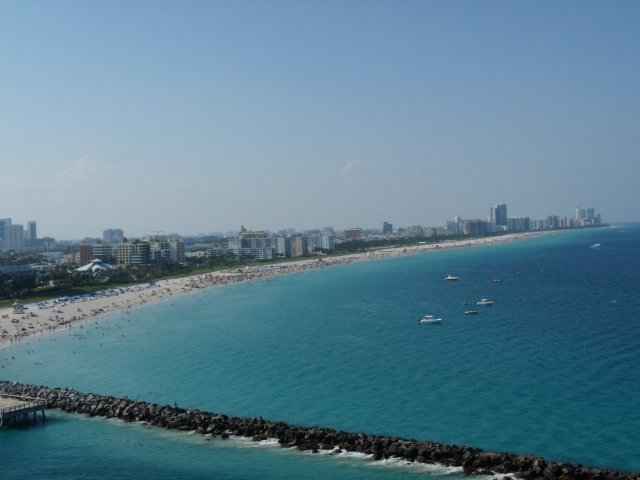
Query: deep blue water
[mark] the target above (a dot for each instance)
(550, 369)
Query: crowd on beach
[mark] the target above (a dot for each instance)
(22, 320)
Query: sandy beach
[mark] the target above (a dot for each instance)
(16, 324)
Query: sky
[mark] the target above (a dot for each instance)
(189, 117)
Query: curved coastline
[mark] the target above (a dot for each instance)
(473, 461)
(62, 313)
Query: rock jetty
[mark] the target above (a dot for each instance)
(473, 461)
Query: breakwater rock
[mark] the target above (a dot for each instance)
(473, 461)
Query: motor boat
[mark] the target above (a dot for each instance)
(484, 302)
(429, 319)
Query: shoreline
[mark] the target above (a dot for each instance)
(62, 313)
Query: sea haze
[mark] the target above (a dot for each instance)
(550, 369)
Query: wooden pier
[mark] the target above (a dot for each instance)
(18, 410)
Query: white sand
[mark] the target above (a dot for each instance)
(61, 313)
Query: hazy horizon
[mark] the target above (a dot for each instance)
(164, 233)
(198, 116)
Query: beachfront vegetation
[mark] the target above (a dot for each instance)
(64, 280)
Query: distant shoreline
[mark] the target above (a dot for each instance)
(59, 314)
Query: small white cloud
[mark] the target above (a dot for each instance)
(349, 168)
(84, 169)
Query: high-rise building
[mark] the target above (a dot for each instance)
(474, 227)
(299, 245)
(355, 233)
(320, 241)
(5, 224)
(499, 214)
(256, 244)
(327, 241)
(553, 222)
(387, 228)
(176, 247)
(85, 253)
(31, 233)
(135, 253)
(519, 224)
(102, 251)
(160, 251)
(113, 235)
(16, 237)
(454, 227)
(284, 246)
(581, 213)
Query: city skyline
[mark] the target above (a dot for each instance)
(205, 116)
(14, 235)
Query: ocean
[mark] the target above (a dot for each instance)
(550, 369)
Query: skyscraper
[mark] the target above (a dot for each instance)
(5, 225)
(499, 214)
(15, 241)
(32, 234)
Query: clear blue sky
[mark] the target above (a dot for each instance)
(195, 117)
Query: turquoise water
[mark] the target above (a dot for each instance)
(550, 369)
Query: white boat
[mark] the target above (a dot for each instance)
(470, 312)
(429, 319)
(484, 301)
(451, 278)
